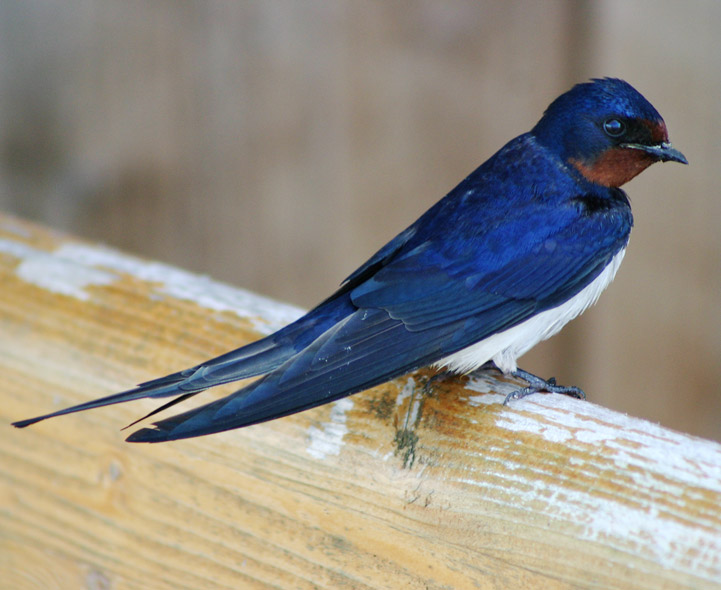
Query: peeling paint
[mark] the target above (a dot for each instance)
(12, 227)
(55, 272)
(73, 267)
(632, 442)
(628, 441)
(187, 286)
(602, 520)
(646, 454)
(406, 392)
(328, 440)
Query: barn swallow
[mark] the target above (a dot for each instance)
(523, 245)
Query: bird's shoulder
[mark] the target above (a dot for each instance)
(520, 226)
(512, 203)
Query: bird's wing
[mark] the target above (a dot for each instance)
(256, 358)
(363, 350)
(535, 259)
(424, 304)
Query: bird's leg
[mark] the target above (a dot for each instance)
(536, 384)
(438, 377)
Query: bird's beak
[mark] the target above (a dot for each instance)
(663, 152)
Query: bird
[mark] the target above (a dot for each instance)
(521, 246)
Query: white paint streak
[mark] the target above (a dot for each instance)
(664, 463)
(632, 442)
(328, 440)
(187, 286)
(413, 413)
(55, 272)
(611, 523)
(12, 227)
(17, 249)
(485, 400)
(72, 268)
(486, 382)
(406, 392)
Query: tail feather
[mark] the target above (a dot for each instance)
(146, 390)
(165, 406)
(256, 358)
(364, 350)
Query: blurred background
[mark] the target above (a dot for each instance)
(277, 144)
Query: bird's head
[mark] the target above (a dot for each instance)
(607, 131)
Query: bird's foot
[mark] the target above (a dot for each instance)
(537, 384)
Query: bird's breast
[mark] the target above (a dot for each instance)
(505, 347)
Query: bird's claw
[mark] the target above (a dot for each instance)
(537, 384)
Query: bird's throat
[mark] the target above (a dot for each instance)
(614, 167)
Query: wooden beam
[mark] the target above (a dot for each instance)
(396, 487)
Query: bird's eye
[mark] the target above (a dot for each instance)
(614, 127)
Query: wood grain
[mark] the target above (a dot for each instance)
(401, 486)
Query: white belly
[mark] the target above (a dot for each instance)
(504, 348)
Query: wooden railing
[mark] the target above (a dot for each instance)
(398, 487)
